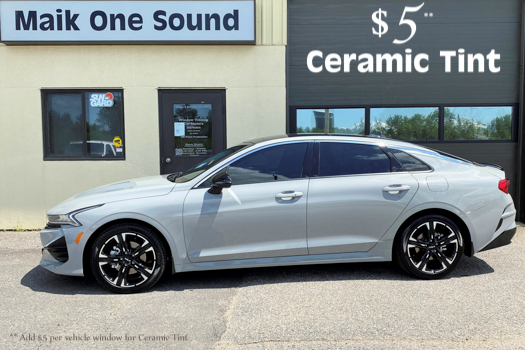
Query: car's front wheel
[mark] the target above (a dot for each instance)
(430, 247)
(128, 258)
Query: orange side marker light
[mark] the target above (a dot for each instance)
(78, 237)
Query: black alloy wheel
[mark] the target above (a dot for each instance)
(128, 258)
(430, 247)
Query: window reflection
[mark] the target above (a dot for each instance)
(408, 124)
(104, 124)
(84, 124)
(64, 111)
(278, 163)
(340, 121)
(478, 123)
(341, 158)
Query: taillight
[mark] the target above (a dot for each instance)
(503, 185)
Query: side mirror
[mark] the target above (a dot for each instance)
(220, 181)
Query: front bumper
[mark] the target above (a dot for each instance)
(502, 240)
(60, 253)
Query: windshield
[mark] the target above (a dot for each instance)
(198, 169)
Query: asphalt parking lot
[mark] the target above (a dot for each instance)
(341, 306)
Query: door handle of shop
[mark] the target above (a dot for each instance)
(395, 189)
(288, 195)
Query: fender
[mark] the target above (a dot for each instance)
(176, 243)
(389, 236)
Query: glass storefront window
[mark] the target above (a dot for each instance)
(340, 121)
(478, 123)
(84, 125)
(407, 124)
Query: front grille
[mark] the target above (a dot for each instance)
(51, 226)
(58, 249)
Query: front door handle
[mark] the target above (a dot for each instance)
(395, 189)
(288, 195)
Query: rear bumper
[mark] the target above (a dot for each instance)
(503, 239)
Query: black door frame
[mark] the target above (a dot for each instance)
(203, 91)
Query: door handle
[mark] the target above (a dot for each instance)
(168, 160)
(395, 189)
(288, 195)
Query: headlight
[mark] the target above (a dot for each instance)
(68, 219)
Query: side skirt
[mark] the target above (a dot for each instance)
(283, 261)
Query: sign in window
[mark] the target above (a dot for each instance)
(193, 132)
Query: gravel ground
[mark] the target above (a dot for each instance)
(339, 306)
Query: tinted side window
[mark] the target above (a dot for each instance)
(409, 162)
(277, 163)
(339, 158)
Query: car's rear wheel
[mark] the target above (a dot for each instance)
(430, 247)
(128, 258)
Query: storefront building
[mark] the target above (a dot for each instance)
(445, 74)
(81, 111)
(150, 87)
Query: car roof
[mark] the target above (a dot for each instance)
(372, 139)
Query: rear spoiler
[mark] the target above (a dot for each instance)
(499, 167)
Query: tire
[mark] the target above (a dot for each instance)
(430, 247)
(128, 258)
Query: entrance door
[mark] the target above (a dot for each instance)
(192, 127)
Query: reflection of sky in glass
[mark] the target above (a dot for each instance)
(481, 114)
(343, 117)
(382, 114)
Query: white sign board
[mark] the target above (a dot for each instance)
(127, 21)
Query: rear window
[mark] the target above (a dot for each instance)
(409, 162)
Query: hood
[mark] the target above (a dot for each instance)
(119, 191)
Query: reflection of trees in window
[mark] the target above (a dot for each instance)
(107, 124)
(420, 127)
(402, 127)
(463, 127)
(500, 128)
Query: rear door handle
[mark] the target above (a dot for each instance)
(288, 195)
(395, 189)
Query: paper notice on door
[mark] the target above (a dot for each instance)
(180, 129)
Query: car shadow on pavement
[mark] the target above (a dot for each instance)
(41, 280)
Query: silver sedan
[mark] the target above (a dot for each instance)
(285, 200)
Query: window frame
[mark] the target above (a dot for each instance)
(45, 124)
(292, 118)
